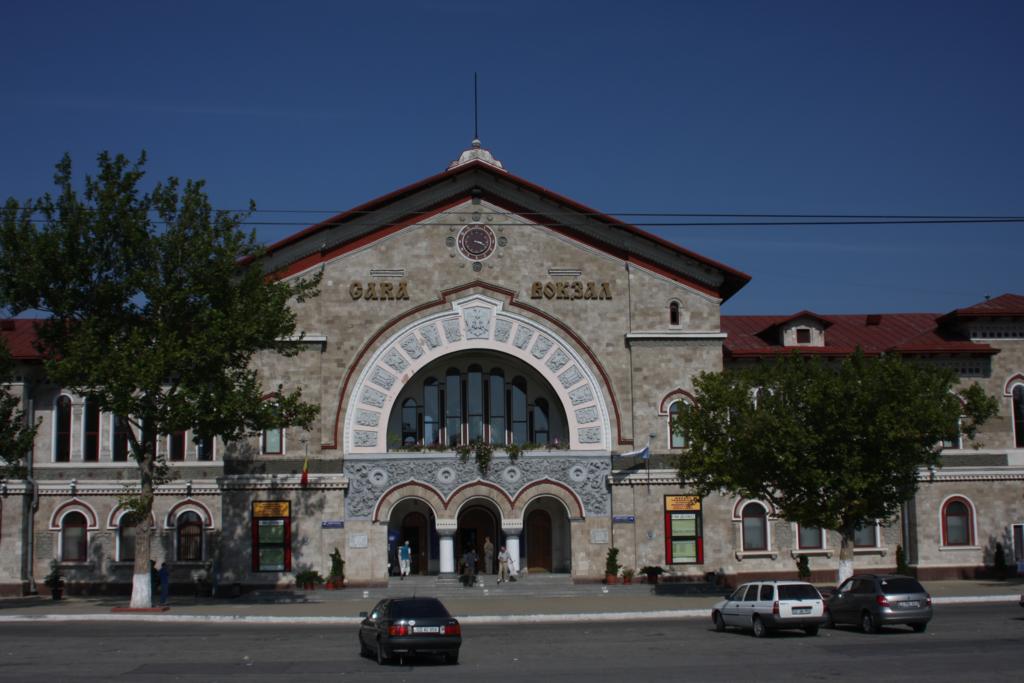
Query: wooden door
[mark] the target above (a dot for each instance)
(538, 541)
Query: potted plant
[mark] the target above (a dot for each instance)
(55, 581)
(308, 579)
(627, 574)
(336, 579)
(652, 573)
(611, 566)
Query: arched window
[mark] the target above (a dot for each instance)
(475, 402)
(126, 538)
(673, 314)
(410, 422)
(453, 407)
(496, 399)
(755, 527)
(1018, 415)
(120, 439)
(541, 422)
(431, 412)
(176, 446)
(957, 525)
(517, 401)
(676, 438)
(91, 431)
(62, 431)
(73, 538)
(189, 536)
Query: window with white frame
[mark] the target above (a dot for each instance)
(120, 448)
(1018, 543)
(676, 437)
(755, 527)
(957, 522)
(74, 537)
(189, 537)
(91, 431)
(866, 536)
(810, 538)
(62, 429)
(273, 441)
(1018, 415)
(176, 446)
(126, 528)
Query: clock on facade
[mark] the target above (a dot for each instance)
(476, 242)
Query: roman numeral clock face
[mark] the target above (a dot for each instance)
(476, 242)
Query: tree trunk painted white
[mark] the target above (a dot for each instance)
(142, 590)
(142, 587)
(845, 557)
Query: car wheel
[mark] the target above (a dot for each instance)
(919, 628)
(363, 650)
(719, 621)
(868, 624)
(380, 653)
(452, 657)
(830, 621)
(811, 630)
(760, 631)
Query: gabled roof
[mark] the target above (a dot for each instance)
(476, 178)
(1003, 306)
(904, 333)
(20, 336)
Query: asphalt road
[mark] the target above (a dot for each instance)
(976, 643)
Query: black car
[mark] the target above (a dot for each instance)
(875, 600)
(400, 627)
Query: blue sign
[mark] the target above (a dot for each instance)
(624, 519)
(332, 524)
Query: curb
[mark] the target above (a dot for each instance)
(657, 615)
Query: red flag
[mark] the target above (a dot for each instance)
(305, 474)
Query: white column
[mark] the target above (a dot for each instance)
(447, 550)
(512, 545)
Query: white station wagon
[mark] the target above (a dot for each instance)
(767, 605)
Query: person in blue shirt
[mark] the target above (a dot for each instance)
(404, 558)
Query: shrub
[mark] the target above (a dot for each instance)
(611, 563)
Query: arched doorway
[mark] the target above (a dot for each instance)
(477, 523)
(412, 520)
(538, 541)
(547, 537)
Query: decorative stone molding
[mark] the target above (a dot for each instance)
(581, 483)
(475, 322)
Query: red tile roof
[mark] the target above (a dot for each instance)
(19, 334)
(1005, 305)
(910, 333)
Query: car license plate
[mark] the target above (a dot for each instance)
(426, 629)
(801, 610)
(909, 603)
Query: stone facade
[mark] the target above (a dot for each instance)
(555, 329)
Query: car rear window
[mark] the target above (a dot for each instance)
(798, 592)
(896, 586)
(417, 609)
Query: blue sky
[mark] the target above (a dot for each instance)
(905, 108)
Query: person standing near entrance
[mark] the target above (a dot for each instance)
(488, 555)
(503, 558)
(404, 558)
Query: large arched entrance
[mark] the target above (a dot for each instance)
(546, 537)
(412, 520)
(478, 521)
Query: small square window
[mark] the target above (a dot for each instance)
(803, 335)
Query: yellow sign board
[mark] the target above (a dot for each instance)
(271, 508)
(677, 503)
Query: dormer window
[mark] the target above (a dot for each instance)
(803, 335)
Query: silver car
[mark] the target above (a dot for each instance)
(875, 600)
(763, 606)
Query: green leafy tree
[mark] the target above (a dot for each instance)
(157, 305)
(833, 446)
(16, 434)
